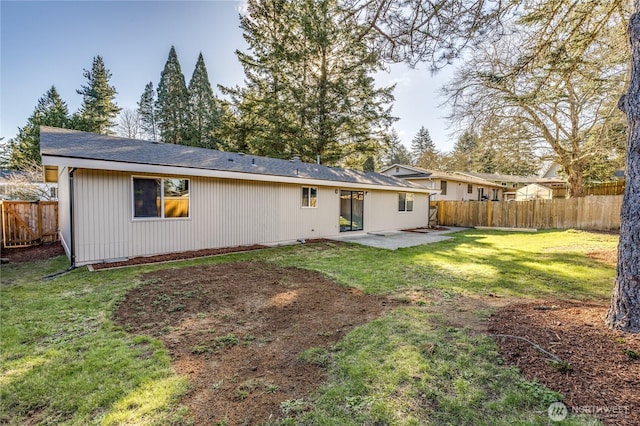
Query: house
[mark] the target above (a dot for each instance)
(511, 183)
(452, 186)
(122, 198)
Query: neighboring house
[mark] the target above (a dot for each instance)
(121, 198)
(18, 185)
(511, 183)
(550, 169)
(452, 186)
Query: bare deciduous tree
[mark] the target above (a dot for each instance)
(129, 124)
(28, 185)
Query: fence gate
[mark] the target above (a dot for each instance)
(27, 223)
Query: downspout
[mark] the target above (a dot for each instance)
(72, 246)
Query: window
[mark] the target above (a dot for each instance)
(160, 198)
(469, 188)
(443, 187)
(405, 202)
(309, 197)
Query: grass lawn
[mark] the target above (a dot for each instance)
(63, 360)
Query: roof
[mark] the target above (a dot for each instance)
(495, 177)
(90, 150)
(420, 173)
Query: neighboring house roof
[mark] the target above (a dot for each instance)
(415, 171)
(550, 169)
(420, 173)
(495, 177)
(90, 150)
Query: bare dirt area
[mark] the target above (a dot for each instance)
(35, 253)
(238, 330)
(600, 369)
(609, 257)
(169, 257)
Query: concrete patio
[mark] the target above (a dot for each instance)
(392, 240)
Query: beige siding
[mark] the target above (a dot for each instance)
(223, 213)
(322, 221)
(381, 212)
(64, 222)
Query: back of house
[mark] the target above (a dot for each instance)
(123, 198)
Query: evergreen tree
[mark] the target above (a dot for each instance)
(98, 109)
(52, 111)
(310, 89)
(172, 105)
(395, 152)
(204, 115)
(463, 158)
(147, 113)
(424, 150)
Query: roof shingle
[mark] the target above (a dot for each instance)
(56, 142)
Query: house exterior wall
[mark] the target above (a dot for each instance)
(223, 213)
(64, 221)
(456, 190)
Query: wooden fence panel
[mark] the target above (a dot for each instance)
(600, 212)
(26, 223)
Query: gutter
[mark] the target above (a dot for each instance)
(157, 169)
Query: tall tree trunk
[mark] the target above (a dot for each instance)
(576, 187)
(624, 313)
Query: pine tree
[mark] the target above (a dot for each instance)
(424, 150)
(98, 109)
(464, 157)
(52, 111)
(172, 105)
(204, 114)
(147, 112)
(395, 152)
(310, 89)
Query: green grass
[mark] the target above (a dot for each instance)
(409, 368)
(63, 361)
(544, 264)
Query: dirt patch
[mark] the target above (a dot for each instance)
(175, 256)
(238, 330)
(610, 257)
(35, 253)
(602, 374)
(192, 254)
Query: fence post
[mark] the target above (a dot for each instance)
(441, 212)
(39, 209)
(489, 212)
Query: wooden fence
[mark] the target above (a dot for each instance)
(589, 213)
(27, 223)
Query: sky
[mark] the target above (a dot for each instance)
(45, 43)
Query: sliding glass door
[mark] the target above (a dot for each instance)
(351, 211)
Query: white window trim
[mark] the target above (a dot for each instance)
(302, 197)
(161, 217)
(406, 196)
